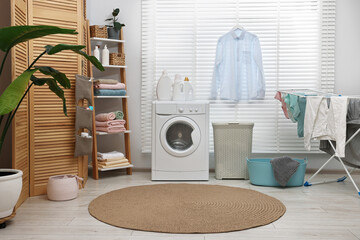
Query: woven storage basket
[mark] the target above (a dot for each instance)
(99, 32)
(232, 147)
(117, 59)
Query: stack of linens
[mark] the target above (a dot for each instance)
(110, 123)
(111, 160)
(109, 87)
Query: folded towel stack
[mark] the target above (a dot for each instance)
(109, 87)
(111, 160)
(109, 92)
(108, 122)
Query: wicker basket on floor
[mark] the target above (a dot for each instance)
(117, 59)
(99, 32)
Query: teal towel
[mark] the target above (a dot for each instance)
(119, 115)
(109, 92)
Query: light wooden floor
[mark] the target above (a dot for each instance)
(328, 211)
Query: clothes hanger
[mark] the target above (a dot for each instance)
(237, 26)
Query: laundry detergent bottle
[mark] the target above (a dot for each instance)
(97, 52)
(189, 91)
(105, 56)
(179, 88)
(164, 87)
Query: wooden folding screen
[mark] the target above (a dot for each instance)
(20, 125)
(51, 134)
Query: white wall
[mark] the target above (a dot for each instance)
(347, 68)
(347, 63)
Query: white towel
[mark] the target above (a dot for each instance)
(109, 155)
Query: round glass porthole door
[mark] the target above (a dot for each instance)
(180, 136)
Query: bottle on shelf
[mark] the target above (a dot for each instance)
(97, 52)
(105, 56)
(178, 89)
(188, 88)
(164, 87)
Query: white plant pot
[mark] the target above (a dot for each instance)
(10, 189)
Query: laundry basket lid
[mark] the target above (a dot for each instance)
(247, 124)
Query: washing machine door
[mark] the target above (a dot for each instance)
(180, 136)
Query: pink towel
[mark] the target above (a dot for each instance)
(114, 129)
(283, 104)
(110, 123)
(103, 117)
(110, 86)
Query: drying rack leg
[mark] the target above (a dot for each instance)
(308, 182)
(348, 173)
(345, 168)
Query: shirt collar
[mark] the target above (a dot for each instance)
(241, 37)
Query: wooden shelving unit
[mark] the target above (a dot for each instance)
(122, 69)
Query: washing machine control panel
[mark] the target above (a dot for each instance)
(190, 109)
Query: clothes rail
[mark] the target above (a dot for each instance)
(307, 92)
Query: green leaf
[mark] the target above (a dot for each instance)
(14, 92)
(61, 47)
(58, 76)
(118, 26)
(92, 59)
(39, 81)
(77, 49)
(109, 19)
(58, 91)
(10, 36)
(115, 12)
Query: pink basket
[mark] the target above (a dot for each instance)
(63, 187)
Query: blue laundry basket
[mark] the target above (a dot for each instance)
(261, 173)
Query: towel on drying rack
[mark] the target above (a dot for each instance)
(284, 168)
(109, 92)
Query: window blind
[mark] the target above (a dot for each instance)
(297, 40)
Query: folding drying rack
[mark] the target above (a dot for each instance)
(309, 92)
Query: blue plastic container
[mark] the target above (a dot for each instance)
(261, 173)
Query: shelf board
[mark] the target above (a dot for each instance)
(114, 66)
(111, 96)
(105, 133)
(114, 168)
(106, 40)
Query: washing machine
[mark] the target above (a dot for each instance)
(180, 140)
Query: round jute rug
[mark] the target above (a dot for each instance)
(186, 208)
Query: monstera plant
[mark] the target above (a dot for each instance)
(14, 94)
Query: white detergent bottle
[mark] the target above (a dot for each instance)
(97, 52)
(105, 56)
(179, 89)
(189, 91)
(164, 87)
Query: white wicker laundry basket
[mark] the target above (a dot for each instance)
(232, 146)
